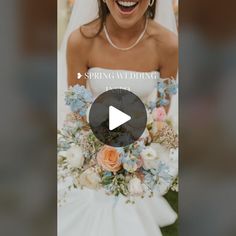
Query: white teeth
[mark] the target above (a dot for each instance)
(127, 4)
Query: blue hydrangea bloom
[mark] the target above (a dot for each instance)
(165, 89)
(78, 98)
(163, 172)
(149, 180)
(152, 105)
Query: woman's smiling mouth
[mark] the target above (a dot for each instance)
(127, 7)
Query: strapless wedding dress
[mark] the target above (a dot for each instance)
(92, 213)
(140, 83)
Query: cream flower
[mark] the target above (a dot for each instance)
(161, 152)
(149, 157)
(90, 179)
(74, 156)
(132, 164)
(156, 127)
(130, 168)
(135, 187)
(174, 154)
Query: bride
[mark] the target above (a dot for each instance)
(126, 36)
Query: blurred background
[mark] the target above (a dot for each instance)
(28, 47)
(207, 41)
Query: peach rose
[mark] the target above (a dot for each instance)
(109, 159)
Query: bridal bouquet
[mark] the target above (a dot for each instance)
(149, 165)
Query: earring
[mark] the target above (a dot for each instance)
(151, 3)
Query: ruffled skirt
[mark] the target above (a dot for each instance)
(92, 213)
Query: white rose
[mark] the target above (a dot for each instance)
(90, 179)
(135, 187)
(149, 157)
(74, 156)
(161, 152)
(130, 168)
(174, 154)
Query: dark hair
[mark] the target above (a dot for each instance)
(104, 11)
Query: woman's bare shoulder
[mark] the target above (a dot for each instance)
(82, 38)
(164, 38)
(91, 29)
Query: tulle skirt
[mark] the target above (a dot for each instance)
(92, 213)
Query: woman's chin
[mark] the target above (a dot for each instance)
(125, 21)
(127, 17)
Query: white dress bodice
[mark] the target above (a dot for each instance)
(142, 84)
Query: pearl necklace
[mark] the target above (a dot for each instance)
(128, 48)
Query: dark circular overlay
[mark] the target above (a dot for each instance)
(126, 102)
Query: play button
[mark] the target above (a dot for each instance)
(117, 117)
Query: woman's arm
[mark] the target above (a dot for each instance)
(77, 58)
(169, 58)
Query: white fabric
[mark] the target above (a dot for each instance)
(123, 79)
(92, 213)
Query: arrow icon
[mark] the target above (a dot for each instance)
(117, 118)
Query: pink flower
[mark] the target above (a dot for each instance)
(109, 159)
(159, 114)
(140, 162)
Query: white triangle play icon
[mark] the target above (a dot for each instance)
(117, 118)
